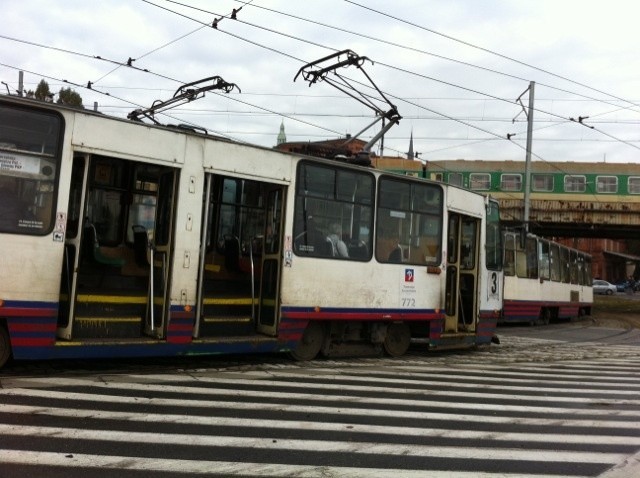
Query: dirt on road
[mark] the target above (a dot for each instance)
(618, 311)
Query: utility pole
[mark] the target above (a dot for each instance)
(527, 165)
(382, 140)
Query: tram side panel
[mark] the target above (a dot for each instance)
(403, 288)
(32, 226)
(186, 234)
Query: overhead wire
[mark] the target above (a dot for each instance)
(138, 57)
(128, 64)
(122, 64)
(434, 79)
(298, 59)
(492, 52)
(443, 57)
(316, 44)
(477, 66)
(263, 46)
(282, 53)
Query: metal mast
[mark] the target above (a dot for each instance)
(527, 165)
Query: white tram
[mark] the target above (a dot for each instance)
(544, 280)
(126, 239)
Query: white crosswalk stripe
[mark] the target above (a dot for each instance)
(413, 417)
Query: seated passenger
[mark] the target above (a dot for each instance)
(396, 255)
(339, 247)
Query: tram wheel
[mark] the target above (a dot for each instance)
(397, 340)
(310, 343)
(5, 346)
(545, 316)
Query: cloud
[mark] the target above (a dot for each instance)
(456, 109)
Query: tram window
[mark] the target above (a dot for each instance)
(104, 211)
(542, 182)
(543, 259)
(480, 181)
(575, 184)
(532, 258)
(142, 212)
(581, 267)
(105, 206)
(633, 185)
(241, 213)
(493, 244)
(564, 264)
(573, 269)
(318, 182)
(586, 271)
(409, 222)
(554, 259)
(606, 184)
(29, 157)
(521, 263)
(452, 238)
(468, 250)
(74, 219)
(333, 215)
(510, 241)
(511, 182)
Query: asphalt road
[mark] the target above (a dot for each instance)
(562, 400)
(582, 331)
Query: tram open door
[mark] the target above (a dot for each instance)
(240, 258)
(159, 256)
(461, 307)
(110, 288)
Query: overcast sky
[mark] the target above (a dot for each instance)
(453, 68)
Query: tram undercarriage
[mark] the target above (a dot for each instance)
(339, 338)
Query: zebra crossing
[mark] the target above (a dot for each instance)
(465, 415)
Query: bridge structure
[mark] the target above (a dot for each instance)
(566, 199)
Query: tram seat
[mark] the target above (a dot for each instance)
(396, 255)
(141, 245)
(359, 250)
(327, 248)
(93, 251)
(232, 253)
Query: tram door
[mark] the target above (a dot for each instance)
(462, 274)
(71, 259)
(239, 257)
(117, 249)
(271, 262)
(159, 255)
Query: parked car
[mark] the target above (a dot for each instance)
(622, 286)
(604, 287)
(628, 286)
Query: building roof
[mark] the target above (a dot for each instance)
(628, 257)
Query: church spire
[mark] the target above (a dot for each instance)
(410, 154)
(282, 138)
